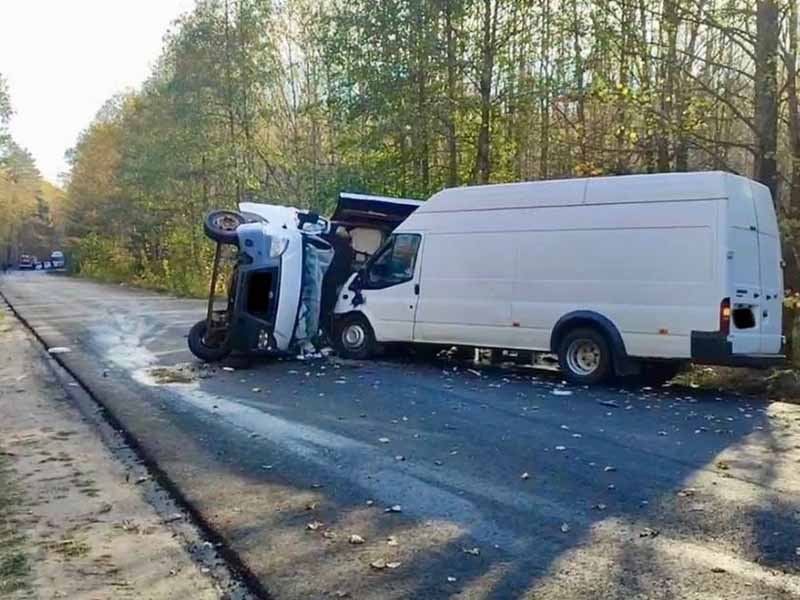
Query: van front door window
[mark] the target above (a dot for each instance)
(395, 263)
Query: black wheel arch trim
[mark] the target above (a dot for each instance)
(590, 318)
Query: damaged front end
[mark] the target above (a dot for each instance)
(274, 292)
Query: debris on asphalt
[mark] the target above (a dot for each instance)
(356, 539)
(649, 532)
(59, 350)
(610, 403)
(381, 564)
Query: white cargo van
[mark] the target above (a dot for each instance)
(612, 274)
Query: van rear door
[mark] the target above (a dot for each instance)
(770, 261)
(744, 276)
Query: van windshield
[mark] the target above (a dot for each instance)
(395, 262)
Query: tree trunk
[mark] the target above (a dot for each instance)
(482, 159)
(452, 74)
(794, 107)
(766, 96)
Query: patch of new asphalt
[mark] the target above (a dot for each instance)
(506, 483)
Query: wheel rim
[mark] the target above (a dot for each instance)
(354, 336)
(583, 356)
(226, 222)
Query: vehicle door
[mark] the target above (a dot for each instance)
(390, 288)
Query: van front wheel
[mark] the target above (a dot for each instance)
(355, 338)
(584, 357)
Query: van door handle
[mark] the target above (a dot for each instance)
(416, 289)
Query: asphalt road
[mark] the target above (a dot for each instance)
(509, 483)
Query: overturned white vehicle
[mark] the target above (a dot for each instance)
(288, 266)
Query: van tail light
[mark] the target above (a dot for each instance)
(725, 316)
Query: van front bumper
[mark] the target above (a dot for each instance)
(714, 348)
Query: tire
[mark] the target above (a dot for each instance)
(355, 338)
(221, 225)
(584, 357)
(197, 344)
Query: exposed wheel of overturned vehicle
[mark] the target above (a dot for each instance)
(201, 348)
(354, 337)
(220, 225)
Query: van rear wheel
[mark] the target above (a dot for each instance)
(355, 338)
(584, 357)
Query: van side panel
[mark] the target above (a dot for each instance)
(509, 275)
(465, 284)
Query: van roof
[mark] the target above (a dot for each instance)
(596, 190)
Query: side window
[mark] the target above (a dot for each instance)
(395, 262)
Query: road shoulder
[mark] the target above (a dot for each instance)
(74, 522)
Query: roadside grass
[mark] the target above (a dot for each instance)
(14, 564)
(772, 384)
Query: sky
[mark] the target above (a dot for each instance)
(62, 59)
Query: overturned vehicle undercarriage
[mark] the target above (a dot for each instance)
(288, 265)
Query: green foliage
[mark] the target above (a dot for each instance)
(292, 102)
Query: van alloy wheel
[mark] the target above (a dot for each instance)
(583, 357)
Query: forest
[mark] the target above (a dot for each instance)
(293, 101)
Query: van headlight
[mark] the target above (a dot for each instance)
(278, 246)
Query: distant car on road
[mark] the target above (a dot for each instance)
(27, 261)
(57, 259)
